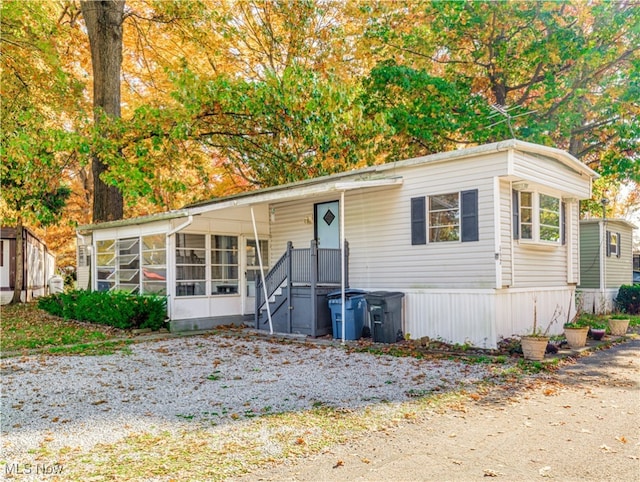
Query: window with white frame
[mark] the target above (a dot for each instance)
(224, 264)
(540, 217)
(191, 264)
(444, 217)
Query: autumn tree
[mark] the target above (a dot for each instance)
(570, 71)
(104, 22)
(37, 97)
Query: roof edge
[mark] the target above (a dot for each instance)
(151, 218)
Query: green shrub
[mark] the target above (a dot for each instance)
(114, 308)
(628, 299)
(51, 304)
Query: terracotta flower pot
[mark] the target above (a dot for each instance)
(534, 347)
(576, 337)
(618, 327)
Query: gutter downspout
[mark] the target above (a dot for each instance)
(264, 285)
(170, 265)
(182, 226)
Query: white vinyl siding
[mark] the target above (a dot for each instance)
(506, 233)
(549, 173)
(378, 229)
(539, 266)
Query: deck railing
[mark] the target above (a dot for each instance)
(311, 266)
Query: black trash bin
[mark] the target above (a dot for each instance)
(355, 313)
(385, 315)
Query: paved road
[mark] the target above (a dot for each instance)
(580, 424)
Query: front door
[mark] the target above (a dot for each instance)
(327, 224)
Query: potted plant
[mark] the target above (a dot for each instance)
(534, 344)
(618, 324)
(597, 329)
(576, 333)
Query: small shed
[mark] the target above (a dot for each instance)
(39, 265)
(606, 262)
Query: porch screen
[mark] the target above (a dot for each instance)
(154, 264)
(106, 264)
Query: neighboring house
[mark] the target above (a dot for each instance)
(39, 265)
(606, 262)
(481, 241)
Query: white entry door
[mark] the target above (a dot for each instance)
(327, 224)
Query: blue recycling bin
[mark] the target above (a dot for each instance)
(355, 311)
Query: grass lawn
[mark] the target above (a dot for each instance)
(26, 327)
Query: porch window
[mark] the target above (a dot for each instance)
(128, 272)
(253, 265)
(106, 264)
(154, 264)
(444, 217)
(540, 217)
(224, 265)
(191, 260)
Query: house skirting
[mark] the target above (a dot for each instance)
(595, 300)
(482, 317)
(203, 324)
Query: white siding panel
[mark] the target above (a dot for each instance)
(378, 229)
(539, 265)
(452, 316)
(550, 173)
(596, 300)
(506, 233)
(515, 310)
(82, 277)
(573, 214)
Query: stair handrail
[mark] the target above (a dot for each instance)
(275, 277)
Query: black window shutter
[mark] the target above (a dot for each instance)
(619, 245)
(608, 243)
(469, 215)
(563, 222)
(418, 220)
(515, 205)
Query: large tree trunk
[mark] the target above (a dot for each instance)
(19, 278)
(104, 19)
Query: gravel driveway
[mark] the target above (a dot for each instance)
(80, 401)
